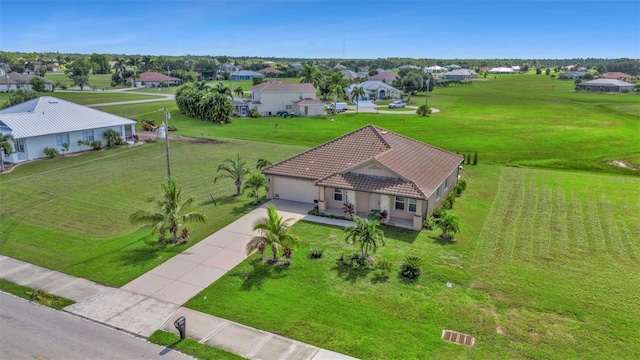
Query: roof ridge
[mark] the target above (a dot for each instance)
(422, 143)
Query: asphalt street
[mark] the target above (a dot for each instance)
(30, 331)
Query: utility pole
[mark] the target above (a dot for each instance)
(166, 143)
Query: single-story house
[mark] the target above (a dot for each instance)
(271, 97)
(47, 121)
(270, 71)
(408, 66)
(245, 75)
(153, 79)
(501, 70)
(228, 67)
(385, 76)
(605, 85)
(575, 75)
(460, 74)
(375, 90)
(618, 76)
(297, 66)
(485, 68)
(13, 81)
(453, 66)
(434, 69)
(339, 67)
(350, 74)
(372, 169)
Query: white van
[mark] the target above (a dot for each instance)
(340, 107)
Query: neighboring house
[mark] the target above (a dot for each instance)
(14, 81)
(407, 66)
(434, 69)
(153, 79)
(270, 71)
(460, 74)
(605, 85)
(575, 75)
(485, 68)
(339, 67)
(375, 90)
(51, 122)
(271, 97)
(501, 70)
(245, 75)
(453, 66)
(618, 76)
(228, 67)
(350, 74)
(297, 66)
(515, 68)
(372, 169)
(385, 76)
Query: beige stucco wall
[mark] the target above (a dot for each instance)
(278, 101)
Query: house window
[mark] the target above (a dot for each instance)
(87, 135)
(337, 194)
(18, 145)
(412, 205)
(438, 193)
(62, 139)
(446, 184)
(288, 107)
(399, 203)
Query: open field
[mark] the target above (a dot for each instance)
(542, 269)
(71, 213)
(515, 120)
(99, 81)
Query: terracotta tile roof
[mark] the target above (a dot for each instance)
(387, 75)
(277, 85)
(151, 76)
(370, 183)
(419, 165)
(616, 75)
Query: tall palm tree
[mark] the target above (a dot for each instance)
(171, 213)
(5, 147)
(356, 93)
(367, 233)
(449, 224)
(236, 170)
(221, 89)
(274, 233)
(337, 83)
(254, 184)
(310, 74)
(134, 61)
(120, 67)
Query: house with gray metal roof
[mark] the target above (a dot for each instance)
(605, 85)
(372, 169)
(51, 122)
(460, 74)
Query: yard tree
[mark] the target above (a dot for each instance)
(411, 83)
(37, 84)
(236, 170)
(274, 234)
(171, 215)
(239, 91)
(254, 184)
(80, 81)
(367, 233)
(310, 74)
(100, 62)
(220, 88)
(215, 107)
(337, 83)
(357, 93)
(449, 224)
(5, 148)
(79, 67)
(120, 68)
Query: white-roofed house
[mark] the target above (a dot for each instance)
(501, 70)
(51, 122)
(434, 69)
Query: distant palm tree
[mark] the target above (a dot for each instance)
(337, 83)
(254, 184)
(274, 233)
(357, 93)
(120, 68)
(134, 61)
(263, 163)
(310, 74)
(170, 216)
(236, 170)
(449, 224)
(221, 89)
(367, 233)
(6, 147)
(238, 91)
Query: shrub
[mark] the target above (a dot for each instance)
(438, 212)
(446, 204)
(112, 137)
(424, 110)
(348, 209)
(410, 267)
(83, 143)
(96, 145)
(463, 184)
(315, 253)
(383, 265)
(51, 152)
(254, 113)
(625, 90)
(356, 261)
(65, 147)
(457, 190)
(429, 222)
(475, 158)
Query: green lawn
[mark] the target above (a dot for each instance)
(542, 269)
(191, 347)
(99, 81)
(71, 213)
(26, 293)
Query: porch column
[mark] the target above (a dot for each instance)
(417, 217)
(321, 204)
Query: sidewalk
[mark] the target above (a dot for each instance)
(154, 300)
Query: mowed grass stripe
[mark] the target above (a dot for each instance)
(511, 222)
(542, 220)
(630, 243)
(560, 229)
(597, 242)
(610, 230)
(577, 234)
(527, 227)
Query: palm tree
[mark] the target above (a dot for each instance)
(254, 184)
(120, 68)
(263, 163)
(222, 90)
(367, 233)
(134, 61)
(274, 233)
(449, 224)
(238, 91)
(356, 93)
(337, 83)
(5, 147)
(310, 74)
(170, 216)
(236, 170)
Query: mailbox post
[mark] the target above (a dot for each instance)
(181, 325)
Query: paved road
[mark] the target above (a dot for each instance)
(29, 331)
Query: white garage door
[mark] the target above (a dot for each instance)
(295, 190)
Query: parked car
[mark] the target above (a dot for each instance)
(396, 104)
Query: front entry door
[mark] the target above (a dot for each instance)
(374, 201)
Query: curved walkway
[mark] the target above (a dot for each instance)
(153, 301)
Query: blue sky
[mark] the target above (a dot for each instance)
(326, 29)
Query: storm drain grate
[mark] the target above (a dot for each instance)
(458, 338)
